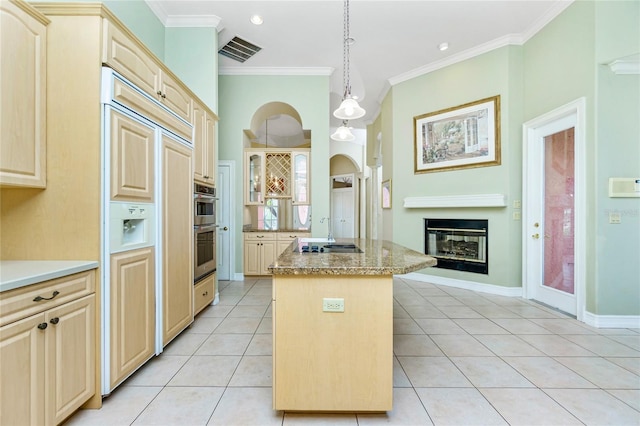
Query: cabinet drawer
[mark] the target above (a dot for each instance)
(19, 303)
(203, 293)
(259, 236)
(290, 236)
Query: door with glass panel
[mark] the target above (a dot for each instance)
(550, 228)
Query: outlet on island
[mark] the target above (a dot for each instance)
(332, 304)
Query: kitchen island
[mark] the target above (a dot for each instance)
(333, 324)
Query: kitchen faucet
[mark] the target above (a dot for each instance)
(330, 236)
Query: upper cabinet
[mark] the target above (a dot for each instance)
(23, 73)
(277, 174)
(204, 146)
(131, 60)
(254, 177)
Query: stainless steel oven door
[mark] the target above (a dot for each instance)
(204, 209)
(204, 251)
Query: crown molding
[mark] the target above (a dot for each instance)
(556, 9)
(182, 21)
(626, 65)
(324, 71)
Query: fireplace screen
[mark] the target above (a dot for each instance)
(459, 244)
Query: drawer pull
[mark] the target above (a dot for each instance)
(42, 325)
(55, 320)
(39, 298)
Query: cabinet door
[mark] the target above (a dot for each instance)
(133, 315)
(23, 77)
(70, 357)
(177, 238)
(269, 255)
(254, 173)
(301, 193)
(132, 159)
(174, 97)
(126, 57)
(199, 156)
(210, 148)
(22, 367)
(252, 258)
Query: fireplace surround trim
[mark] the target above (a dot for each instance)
(444, 201)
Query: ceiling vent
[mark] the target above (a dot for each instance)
(238, 49)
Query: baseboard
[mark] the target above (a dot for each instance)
(238, 276)
(611, 321)
(468, 285)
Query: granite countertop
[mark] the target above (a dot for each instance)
(19, 273)
(248, 229)
(379, 257)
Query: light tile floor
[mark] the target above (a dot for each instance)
(461, 358)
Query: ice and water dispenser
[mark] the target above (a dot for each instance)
(132, 226)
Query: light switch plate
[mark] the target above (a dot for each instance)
(615, 218)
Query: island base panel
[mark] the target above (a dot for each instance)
(329, 361)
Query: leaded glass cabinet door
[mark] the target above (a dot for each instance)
(301, 193)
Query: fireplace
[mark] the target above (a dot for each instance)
(460, 244)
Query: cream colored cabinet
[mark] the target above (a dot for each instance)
(136, 63)
(286, 238)
(132, 159)
(47, 348)
(133, 315)
(259, 252)
(204, 146)
(23, 84)
(254, 177)
(300, 174)
(203, 293)
(177, 237)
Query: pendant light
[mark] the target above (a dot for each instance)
(349, 109)
(343, 133)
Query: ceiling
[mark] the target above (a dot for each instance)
(394, 40)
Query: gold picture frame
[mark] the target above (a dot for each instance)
(386, 194)
(456, 138)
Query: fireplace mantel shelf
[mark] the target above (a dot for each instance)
(444, 201)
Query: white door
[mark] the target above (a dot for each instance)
(553, 225)
(224, 213)
(343, 206)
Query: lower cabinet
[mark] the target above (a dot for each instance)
(203, 293)
(133, 312)
(48, 357)
(261, 249)
(259, 252)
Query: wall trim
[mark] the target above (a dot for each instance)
(471, 200)
(237, 276)
(467, 285)
(306, 71)
(627, 65)
(611, 321)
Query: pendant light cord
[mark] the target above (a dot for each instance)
(346, 53)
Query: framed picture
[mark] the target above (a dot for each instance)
(386, 194)
(458, 138)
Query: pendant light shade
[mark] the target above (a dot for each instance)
(349, 109)
(343, 133)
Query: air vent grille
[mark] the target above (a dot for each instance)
(239, 49)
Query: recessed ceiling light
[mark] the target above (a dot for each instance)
(443, 46)
(256, 20)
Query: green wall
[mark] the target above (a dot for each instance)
(192, 54)
(137, 16)
(617, 154)
(240, 97)
(495, 73)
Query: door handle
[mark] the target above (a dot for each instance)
(536, 236)
(226, 228)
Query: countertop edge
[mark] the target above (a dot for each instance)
(21, 273)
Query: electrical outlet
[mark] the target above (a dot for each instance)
(332, 304)
(517, 204)
(516, 216)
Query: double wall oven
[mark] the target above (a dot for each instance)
(204, 230)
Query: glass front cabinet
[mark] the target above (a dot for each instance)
(300, 172)
(254, 178)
